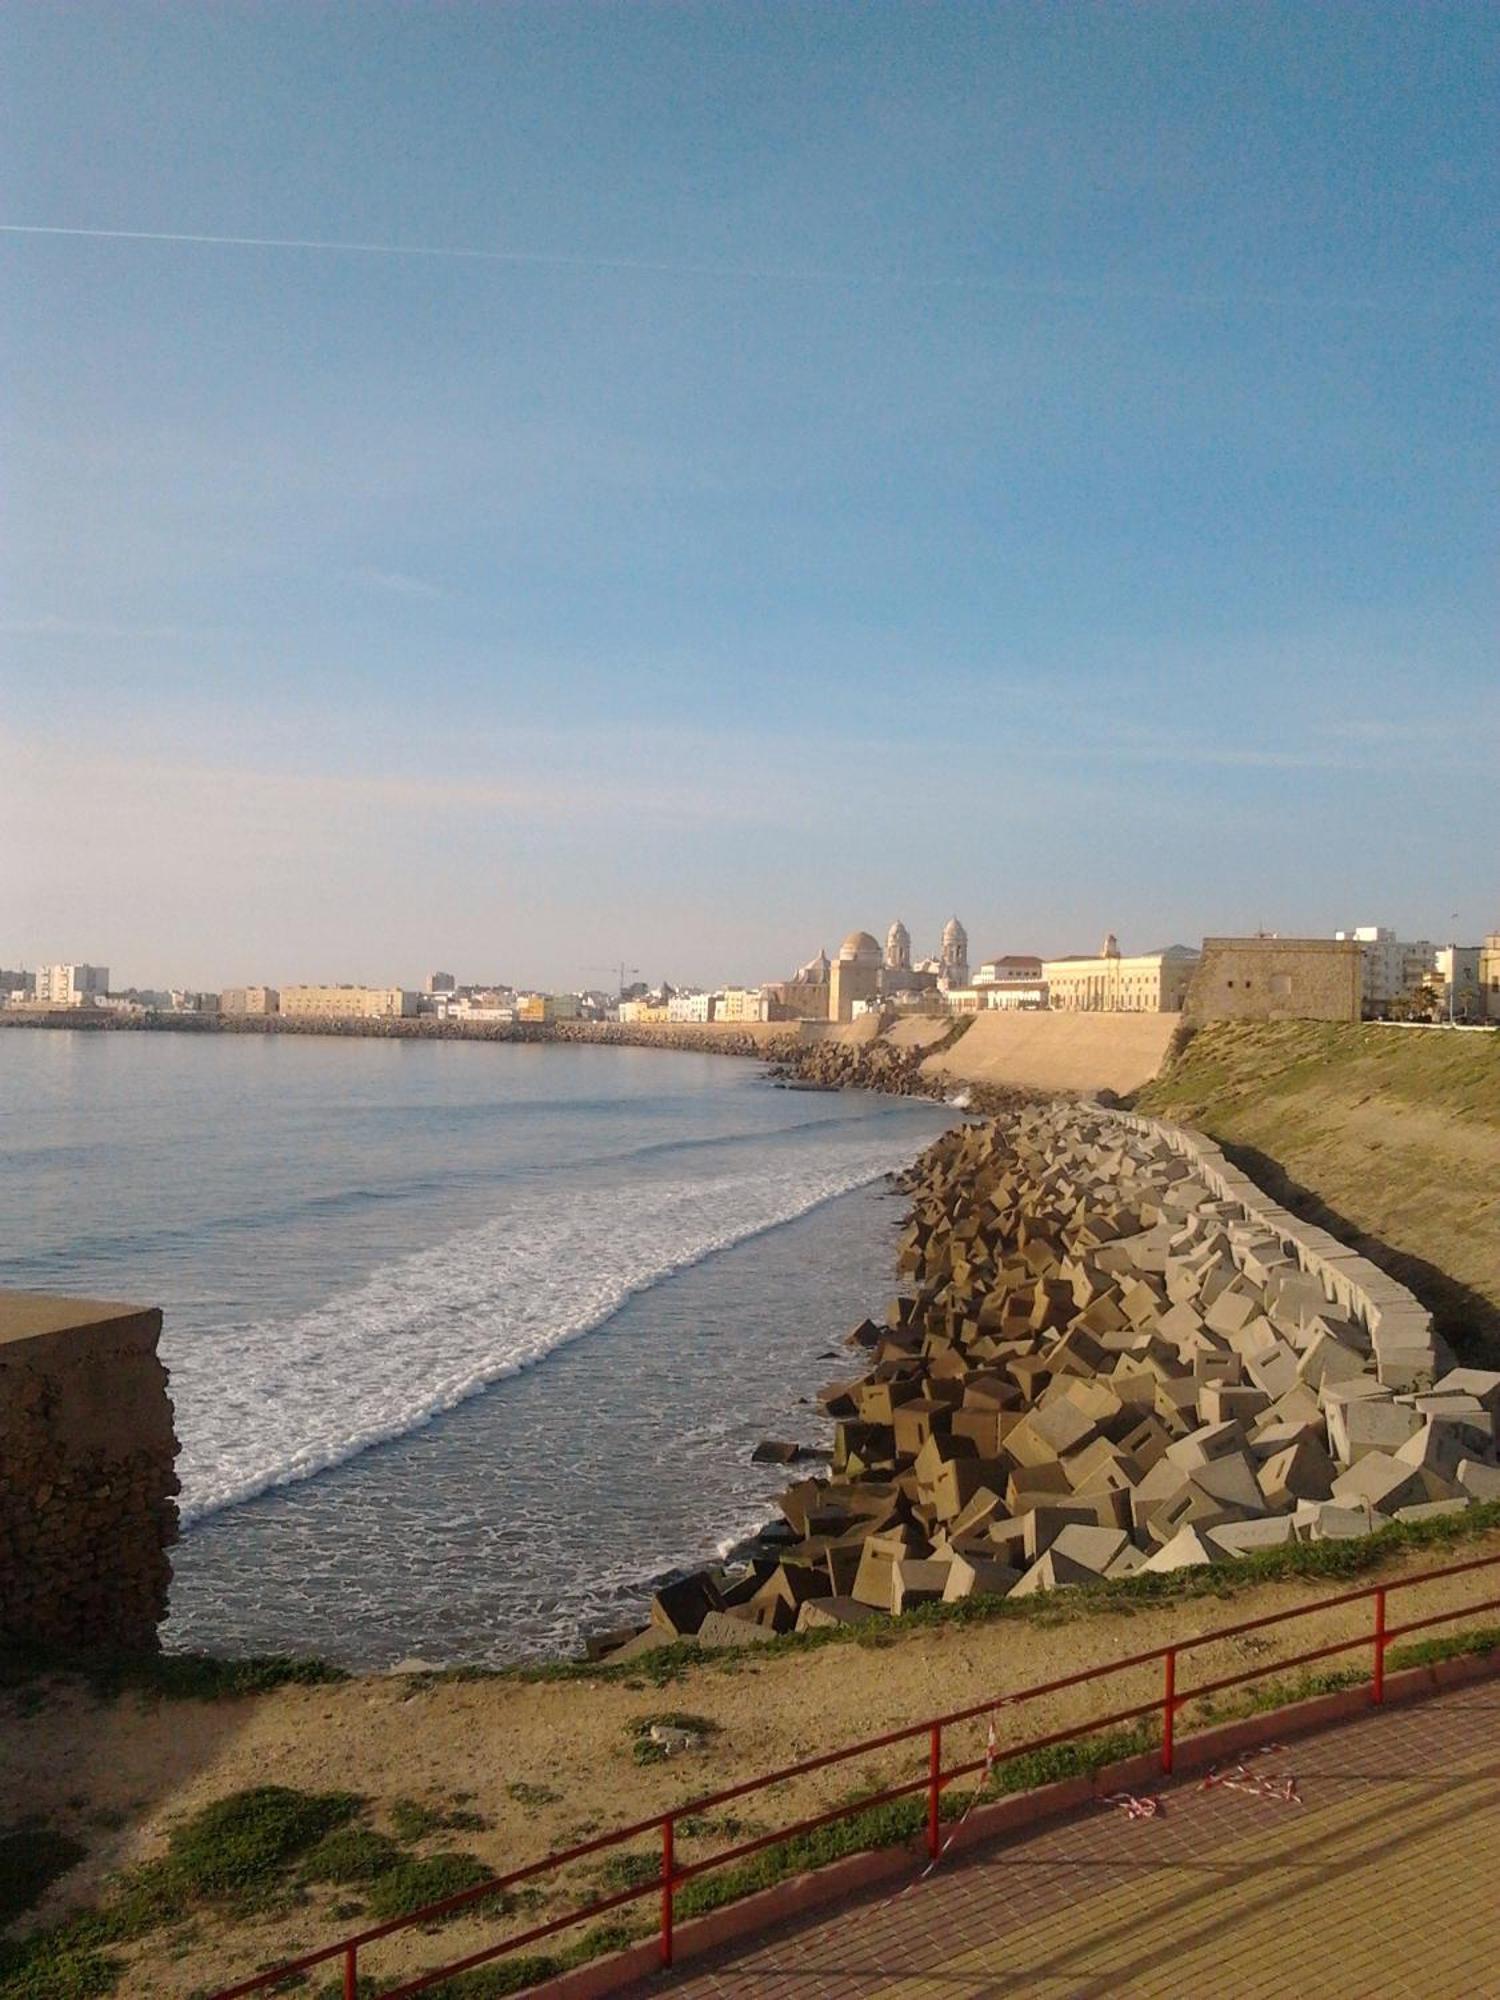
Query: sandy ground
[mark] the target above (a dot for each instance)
(1088, 1052)
(548, 1763)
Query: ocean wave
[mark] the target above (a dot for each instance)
(266, 1405)
(248, 1220)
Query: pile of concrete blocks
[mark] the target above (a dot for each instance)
(1113, 1356)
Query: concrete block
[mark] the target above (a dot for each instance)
(1044, 1524)
(1268, 1439)
(1231, 1482)
(818, 1612)
(1380, 1482)
(1187, 1549)
(1095, 1548)
(1334, 1522)
(1242, 1538)
(1230, 1311)
(1325, 1360)
(1483, 1384)
(974, 1576)
(1479, 1481)
(1208, 1442)
(1052, 1572)
(1365, 1425)
(679, 1608)
(1432, 1510)
(915, 1581)
(722, 1628)
(1304, 1471)
(1229, 1402)
(1274, 1371)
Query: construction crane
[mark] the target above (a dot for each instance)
(622, 971)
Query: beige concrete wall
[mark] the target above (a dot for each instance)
(1087, 1052)
(86, 1481)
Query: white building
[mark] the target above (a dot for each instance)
(690, 1007)
(1393, 970)
(71, 985)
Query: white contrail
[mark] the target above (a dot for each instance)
(1061, 289)
(546, 259)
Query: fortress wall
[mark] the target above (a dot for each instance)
(1061, 1051)
(86, 1473)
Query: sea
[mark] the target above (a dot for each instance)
(469, 1343)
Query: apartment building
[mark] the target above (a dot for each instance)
(347, 1003)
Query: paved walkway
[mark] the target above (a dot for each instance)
(1384, 1882)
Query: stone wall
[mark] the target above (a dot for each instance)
(86, 1473)
(1276, 979)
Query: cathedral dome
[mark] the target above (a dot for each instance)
(859, 948)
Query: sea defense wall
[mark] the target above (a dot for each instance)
(1062, 1051)
(87, 1446)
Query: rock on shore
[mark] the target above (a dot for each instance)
(1101, 1367)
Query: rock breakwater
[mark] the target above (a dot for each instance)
(1113, 1356)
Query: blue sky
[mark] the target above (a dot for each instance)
(1030, 460)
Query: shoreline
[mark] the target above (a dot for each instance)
(1114, 1355)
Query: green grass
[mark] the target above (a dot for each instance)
(411, 1820)
(417, 1880)
(350, 1854)
(239, 1845)
(161, 1676)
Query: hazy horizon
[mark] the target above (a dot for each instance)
(512, 489)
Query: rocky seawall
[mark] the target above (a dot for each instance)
(1113, 1355)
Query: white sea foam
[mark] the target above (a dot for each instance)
(274, 1402)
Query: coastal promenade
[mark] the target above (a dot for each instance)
(1380, 1881)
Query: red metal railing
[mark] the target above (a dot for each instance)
(933, 1782)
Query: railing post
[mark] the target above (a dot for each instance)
(351, 1972)
(1168, 1707)
(934, 1790)
(1377, 1685)
(667, 1868)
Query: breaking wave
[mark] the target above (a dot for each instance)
(270, 1403)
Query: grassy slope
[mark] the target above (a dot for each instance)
(1390, 1137)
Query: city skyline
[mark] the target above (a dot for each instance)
(1044, 454)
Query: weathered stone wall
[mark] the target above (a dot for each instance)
(86, 1473)
(1276, 979)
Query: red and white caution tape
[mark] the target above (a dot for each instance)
(1133, 1807)
(1278, 1785)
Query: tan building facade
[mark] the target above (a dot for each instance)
(741, 1003)
(346, 1003)
(1277, 979)
(547, 1007)
(1489, 977)
(244, 1002)
(854, 975)
(1155, 982)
